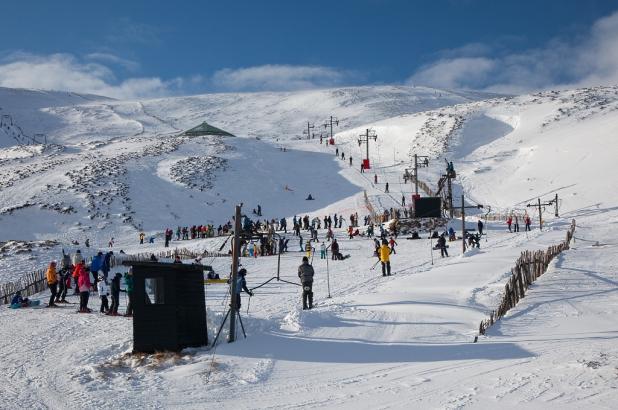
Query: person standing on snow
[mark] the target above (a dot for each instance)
(305, 273)
(83, 285)
(115, 288)
(509, 222)
(392, 243)
(385, 253)
(103, 293)
(241, 285)
(128, 282)
(386, 190)
(52, 282)
(442, 246)
(479, 226)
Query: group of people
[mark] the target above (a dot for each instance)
(86, 278)
(512, 222)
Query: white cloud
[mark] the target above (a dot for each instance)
(277, 78)
(66, 72)
(451, 73)
(114, 59)
(592, 60)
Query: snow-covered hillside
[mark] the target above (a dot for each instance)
(112, 168)
(404, 341)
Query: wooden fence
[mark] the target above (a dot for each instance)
(36, 282)
(528, 268)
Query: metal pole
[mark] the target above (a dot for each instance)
(463, 226)
(327, 273)
(540, 218)
(331, 126)
(234, 275)
(416, 174)
(367, 142)
(556, 214)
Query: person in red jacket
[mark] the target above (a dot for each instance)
(509, 221)
(83, 283)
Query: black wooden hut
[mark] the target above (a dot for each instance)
(169, 306)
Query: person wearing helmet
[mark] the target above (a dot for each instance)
(52, 282)
(305, 273)
(241, 284)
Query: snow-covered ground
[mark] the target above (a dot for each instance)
(399, 342)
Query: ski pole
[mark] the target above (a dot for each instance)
(374, 265)
(248, 304)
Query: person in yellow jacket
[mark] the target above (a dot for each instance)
(52, 283)
(385, 258)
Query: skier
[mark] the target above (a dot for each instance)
(323, 251)
(107, 264)
(241, 284)
(305, 273)
(87, 243)
(128, 282)
(403, 200)
(442, 246)
(375, 178)
(259, 210)
(350, 161)
(528, 222)
(509, 221)
(103, 293)
(480, 227)
(52, 283)
(386, 190)
(516, 224)
(385, 253)
(342, 155)
(141, 238)
(336, 152)
(392, 244)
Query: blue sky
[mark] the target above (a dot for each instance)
(149, 48)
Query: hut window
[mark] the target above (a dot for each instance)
(155, 291)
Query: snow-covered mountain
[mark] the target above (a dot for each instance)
(112, 168)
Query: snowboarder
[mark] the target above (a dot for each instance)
(305, 273)
(103, 293)
(385, 253)
(52, 283)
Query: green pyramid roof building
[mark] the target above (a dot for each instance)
(206, 129)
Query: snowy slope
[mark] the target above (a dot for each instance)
(398, 342)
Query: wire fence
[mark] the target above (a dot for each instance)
(528, 268)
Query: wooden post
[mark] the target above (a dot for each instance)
(234, 275)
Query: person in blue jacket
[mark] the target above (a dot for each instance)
(241, 284)
(95, 266)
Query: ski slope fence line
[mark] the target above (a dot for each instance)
(528, 268)
(36, 282)
(28, 284)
